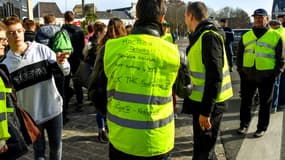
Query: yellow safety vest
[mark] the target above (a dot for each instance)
(4, 134)
(281, 31)
(168, 37)
(198, 74)
(141, 70)
(260, 52)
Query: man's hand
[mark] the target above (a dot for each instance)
(4, 148)
(205, 122)
(61, 57)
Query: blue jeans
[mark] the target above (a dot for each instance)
(276, 93)
(281, 100)
(54, 130)
(279, 93)
(100, 120)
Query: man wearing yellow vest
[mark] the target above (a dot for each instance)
(4, 134)
(260, 59)
(210, 77)
(278, 102)
(133, 81)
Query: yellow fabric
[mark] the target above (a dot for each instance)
(141, 65)
(4, 134)
(260, 52)
(197, 67)
(168, 37)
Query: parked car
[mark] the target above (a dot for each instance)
(237, 36)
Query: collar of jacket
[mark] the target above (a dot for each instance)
(151, 28)
(202, 26)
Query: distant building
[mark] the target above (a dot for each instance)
(130, 10)
(43, 8)
(278, 8)
(14, 7)
(88, 8)
(105, 16)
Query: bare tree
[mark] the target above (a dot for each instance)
(237, 18)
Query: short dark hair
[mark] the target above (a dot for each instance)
(49, 18)
(150, 10)
(281, 16)
(223, 20)
(29, 24)
(11, 20)
(68, 16)
(198, 10)
(99, 27)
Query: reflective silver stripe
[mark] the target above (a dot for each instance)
(249, 43)
(202, 76)
(265, 45)
(2, 117)
(198, 88)
(135, 124)
(198, 75)
(138, 98)
(2, 95)
(226, 86)
(226, 73)
(265, 55)
(249, 51)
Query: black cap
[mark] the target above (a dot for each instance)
(223, 20)
(260, 12)
(274, 23)
(281, 16)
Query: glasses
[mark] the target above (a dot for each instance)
(3, 39)
(18, 31)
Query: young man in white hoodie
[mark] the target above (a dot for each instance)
(30, 65)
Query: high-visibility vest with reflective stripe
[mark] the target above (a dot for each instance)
(260, 52)
(281, 32)
(168, 37)
(4, 134)
(141, 70)
(198, 75)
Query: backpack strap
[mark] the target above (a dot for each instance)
(5, 75)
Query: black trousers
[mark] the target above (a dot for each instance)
(248, 89)
(204, 141)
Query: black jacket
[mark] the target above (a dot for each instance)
(29, 36)
(98, 83)
(78, 42)
(252, 73)
(213, 59)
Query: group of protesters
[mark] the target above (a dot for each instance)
(136, 72)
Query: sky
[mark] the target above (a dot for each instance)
(248, 5)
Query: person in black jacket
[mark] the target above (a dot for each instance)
(30, 30)
(258, 67)
(210, 76)
(148, 28)
(78, 42)
(229, 40)
(281, 18)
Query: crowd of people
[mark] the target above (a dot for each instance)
(137, 71)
